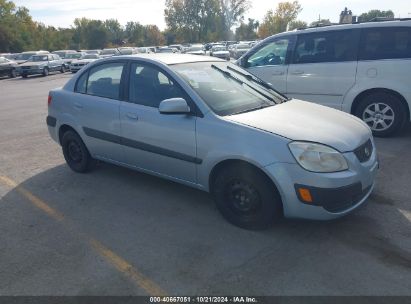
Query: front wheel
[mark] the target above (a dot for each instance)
(75, 153)
(246, 197)
(63, 69)
(382, 112)
(45, 72)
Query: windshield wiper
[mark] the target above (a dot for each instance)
(229, 75)
(258, 81)
(251, 110)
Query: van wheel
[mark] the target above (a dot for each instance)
(63, 69)
(45, 72)
(246, 198)
(382, 112)
(75, 153)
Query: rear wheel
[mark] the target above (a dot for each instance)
(75, 153)
(24, 75)
(383, 112)
(246, 197)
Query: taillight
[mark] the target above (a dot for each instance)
(49, 100)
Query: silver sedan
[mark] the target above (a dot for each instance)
(208, 124)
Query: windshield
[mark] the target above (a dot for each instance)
(223, 90)
(39, 58)
(195, 48)
(165, 50)
(24, 56)
(73, 56)
(219, 49)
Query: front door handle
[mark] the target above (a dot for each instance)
(278, 73)
(132, 116)
(298, 72)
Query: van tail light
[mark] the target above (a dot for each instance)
(49, 100)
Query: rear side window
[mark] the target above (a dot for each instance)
(385, 43)
(104, 80)
(328, 46)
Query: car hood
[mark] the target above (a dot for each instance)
(30, 63)
(301, 120)
(221, 53)
(195, 53)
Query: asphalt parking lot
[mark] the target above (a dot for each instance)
(118, 232)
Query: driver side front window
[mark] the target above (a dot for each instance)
(273, 53)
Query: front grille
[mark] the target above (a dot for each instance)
(364, 151)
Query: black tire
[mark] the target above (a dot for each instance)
(45, 72)
(389, 113)
(24, 75)
(63, 69)
(246, 197)
(13, 73)
(75, 153)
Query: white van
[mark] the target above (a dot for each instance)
(363, 69)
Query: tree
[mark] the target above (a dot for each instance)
(233, 12)
(247, 31)
(321, 22)
(297, 24)
(134, 33)
(375, 14)
(277, 22)
(114, 31)
(153, 36)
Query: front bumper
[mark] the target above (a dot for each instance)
(31, 71)
(334, 194)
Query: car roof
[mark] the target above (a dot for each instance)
(170, 59)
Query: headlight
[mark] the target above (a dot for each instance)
(318, 158)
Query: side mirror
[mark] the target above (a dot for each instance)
(174, 106)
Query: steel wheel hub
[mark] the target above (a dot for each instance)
(378, 116)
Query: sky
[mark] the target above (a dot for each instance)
(61, 13)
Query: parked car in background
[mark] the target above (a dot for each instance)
(239, 50)
(23, 57)
(196, 49)
(166, 50)
(63, 53)
(77, 65)
(8, 68)
(70, 57)
(109, 53)
(220, 51)
(143, 50)
(92, 52)
(181, 118)
(43, 65)
(179, 47)
(127, 51)
(362, 69)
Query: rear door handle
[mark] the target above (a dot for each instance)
(278, 73)
(298, 72)
(132, 116)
